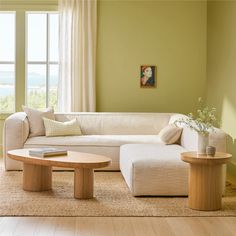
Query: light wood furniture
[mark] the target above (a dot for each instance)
(37, 171)
(205, 180)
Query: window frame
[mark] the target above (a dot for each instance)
(47, 62)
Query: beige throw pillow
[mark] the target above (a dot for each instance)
(170, 134)
(56, 128)
(35, 118)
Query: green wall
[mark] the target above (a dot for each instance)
(221, 73)
(169, 34)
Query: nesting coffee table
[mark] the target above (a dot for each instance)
(37, 171)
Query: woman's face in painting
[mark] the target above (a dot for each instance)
(148, 72)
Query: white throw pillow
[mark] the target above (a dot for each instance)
(170, 134)
(35, 118)
(56, 128)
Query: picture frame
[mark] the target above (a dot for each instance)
(147, 76)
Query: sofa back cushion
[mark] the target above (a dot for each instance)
(35, 118)
(118, 123)
(56, 128)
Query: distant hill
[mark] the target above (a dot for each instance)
(7, 78)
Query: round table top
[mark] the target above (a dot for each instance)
(194, 158)
(71, 160)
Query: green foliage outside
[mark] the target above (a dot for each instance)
(7, 104)
(36, 99)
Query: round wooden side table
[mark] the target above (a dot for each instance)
(205, 180)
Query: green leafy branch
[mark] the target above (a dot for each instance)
(203, 121)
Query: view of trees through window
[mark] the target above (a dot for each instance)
(41, 60)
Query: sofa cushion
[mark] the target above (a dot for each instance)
(35, 118)
(170, 134)
(91, 140)
(115, 123)
(56, 128)
(154, 169)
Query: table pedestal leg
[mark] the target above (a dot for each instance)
(36, 177)
(205, 187)
(83, 183)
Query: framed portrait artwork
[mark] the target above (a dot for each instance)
(147, 76)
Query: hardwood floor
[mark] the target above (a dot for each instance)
(117, 226)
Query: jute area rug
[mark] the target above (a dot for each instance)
(112, 198)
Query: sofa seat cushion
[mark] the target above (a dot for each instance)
(107, 145)
(154, 169)
(91, 140)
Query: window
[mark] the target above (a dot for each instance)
(7, 62)
(28, 57)
(42, 59)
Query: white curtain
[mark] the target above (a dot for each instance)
(77, 35)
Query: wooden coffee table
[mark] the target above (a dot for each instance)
(205, 180)
(37, 171)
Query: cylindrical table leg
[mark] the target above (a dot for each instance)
(83, 183)
(37, 178)
(205, 187)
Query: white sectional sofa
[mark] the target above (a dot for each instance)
(144, 158)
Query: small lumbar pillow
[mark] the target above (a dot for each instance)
(56, 128)
(35, 118)
(170, 134)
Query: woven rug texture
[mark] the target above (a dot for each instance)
(112, 198)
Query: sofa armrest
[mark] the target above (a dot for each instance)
(189, 138)
(15, 133)
(217, 138)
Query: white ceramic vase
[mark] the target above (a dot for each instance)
(202, 143)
